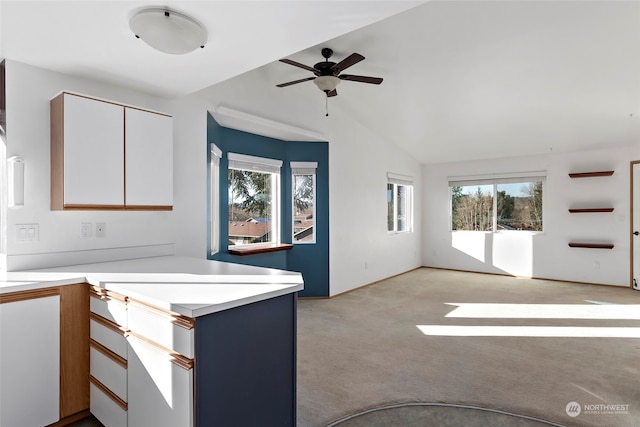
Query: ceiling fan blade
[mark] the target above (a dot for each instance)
(361, 79)
(332, 93)
(297, 64)
(295, 82)
(347, 62)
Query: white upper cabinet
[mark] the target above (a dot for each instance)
(93, 152)
(105, 155)
(149, 158)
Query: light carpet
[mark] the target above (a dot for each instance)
(365, 350)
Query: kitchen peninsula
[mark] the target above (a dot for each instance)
(163, 341)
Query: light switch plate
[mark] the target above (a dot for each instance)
(27, 232)
(86, 230)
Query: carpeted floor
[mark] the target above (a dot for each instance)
(364, 350)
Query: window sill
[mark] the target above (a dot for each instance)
(259, 249)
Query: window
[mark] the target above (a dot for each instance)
(497, 203)
(303, 180)
(399, 203)
(216, 155)
(254, 198)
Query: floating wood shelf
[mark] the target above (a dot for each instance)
(591, 245)
(591, 210)
(590, 174)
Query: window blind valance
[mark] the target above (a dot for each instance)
(396, 178)
(253, 163)
(304, 168)
(506, 178)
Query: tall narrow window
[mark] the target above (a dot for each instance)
(399, 203)
(304, 201)
(254, 198)
(216, 155)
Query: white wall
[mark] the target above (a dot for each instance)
(361, 250)
(546, 254)
(190, 176)
(29, 90)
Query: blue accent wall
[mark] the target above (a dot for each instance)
(312, 260)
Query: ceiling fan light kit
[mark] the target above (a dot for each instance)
(168, 31)
(328, 73)
(326, 83)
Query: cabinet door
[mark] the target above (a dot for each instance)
(160, 388)
(93, 152)
(149, 159)
(30, 362)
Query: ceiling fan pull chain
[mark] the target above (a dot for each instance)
(326, 105)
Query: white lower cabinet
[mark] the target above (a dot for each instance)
(160, 387)
(108, 353)
(105, 408)
(141, 364)
(30, 362)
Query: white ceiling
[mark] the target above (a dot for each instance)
(462, 79)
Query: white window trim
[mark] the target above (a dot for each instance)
(495, 180)
(263, 165)
(303, 168)
(216, 155)
(406, 181)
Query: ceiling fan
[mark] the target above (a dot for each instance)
(328, 74)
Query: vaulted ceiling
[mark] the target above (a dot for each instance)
(462, 79)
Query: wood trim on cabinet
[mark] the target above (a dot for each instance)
(121, 403)
(57, 152)
(108, 324)
(30, 294)
(175, 318)
(175, 358)
(590, 174)
(93, 207)
(591, 210)
(591, 245)
(105, 295)
(108, 353)
(74, 349)
(148, 208)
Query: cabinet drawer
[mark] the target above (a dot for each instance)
(160, 387)
(109, 369)
(170, 330)
(110, 306)
(109, 335)
(105, 408)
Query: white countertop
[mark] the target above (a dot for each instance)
(188, 286)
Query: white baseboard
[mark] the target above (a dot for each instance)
(60, 259)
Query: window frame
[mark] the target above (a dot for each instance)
(303, 169)
(495, 181)
(397, 180)
(216, 155)
(263, 165)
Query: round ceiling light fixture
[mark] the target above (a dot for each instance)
(168, 31)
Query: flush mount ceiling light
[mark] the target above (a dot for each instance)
(168, 31)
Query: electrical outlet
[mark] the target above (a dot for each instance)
(101, 229)
(86, 230)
